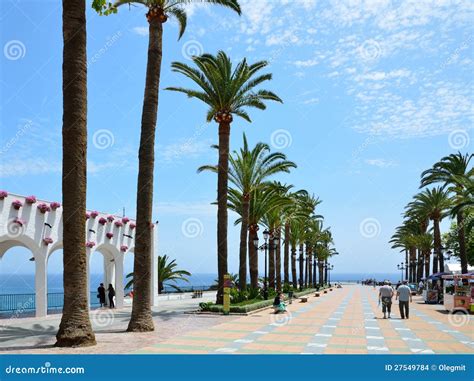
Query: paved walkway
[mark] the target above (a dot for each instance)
(345, 320)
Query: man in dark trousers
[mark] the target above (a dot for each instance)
(404, 299)
(101, 294)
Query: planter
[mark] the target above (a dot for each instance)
(94, 213)
(30, 200)
(90, 244)
(43, 208)
(88, 216)
(125, 220)
(110, 218)
(19, 221)
(118, 224)
(55, 205)
(102, 221)
(3, 194)
(109, 235)
(47, 240)
(17, 204)
(132, 226)
(123, 248)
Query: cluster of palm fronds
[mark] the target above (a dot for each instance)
(452, 197)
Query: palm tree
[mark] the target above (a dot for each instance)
(158, 13)
(227, 92)
(434, 203)
(448, 171)
(75, 328)
(248, 170)
(167, 272)
(401, 240)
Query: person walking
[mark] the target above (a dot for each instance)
(111, 296)
(101, 294)
(404, 299)
(385, 296)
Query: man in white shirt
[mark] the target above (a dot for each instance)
(385, 296)
(404, 299)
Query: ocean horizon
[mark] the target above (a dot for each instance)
(25, 283)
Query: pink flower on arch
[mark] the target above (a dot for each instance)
(102, 221)
(110, 218)
(88, 216)
(43, 208)
(55, 205)
(19, 221)
(90, 244)
(17, 204)
(125, 220)
(109, 235)
(123, 248)
(118, 223)
(94, 213)
(3, 194)
(47, 240)
(132, 226)
(30, 199)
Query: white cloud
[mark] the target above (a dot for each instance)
(140, 30)
(189, 148)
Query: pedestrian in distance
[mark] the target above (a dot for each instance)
(101, 294)
(385, 297)
(111, 296)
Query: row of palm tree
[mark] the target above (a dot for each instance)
(451, 197)
(288, 216)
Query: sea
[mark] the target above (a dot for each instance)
(25, 283)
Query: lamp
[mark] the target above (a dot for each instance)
(266, 234)
(255, 241)
(275, 241)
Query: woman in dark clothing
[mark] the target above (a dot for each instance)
(101, 294)
(111, 296)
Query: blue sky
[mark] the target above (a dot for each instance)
(374, 92)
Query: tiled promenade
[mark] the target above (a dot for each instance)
(346, 320)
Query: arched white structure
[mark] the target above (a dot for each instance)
(37, 226)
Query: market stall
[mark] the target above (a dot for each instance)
(432, 290)
(459, 292)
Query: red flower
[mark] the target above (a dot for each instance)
(109, 235)
(30, 199)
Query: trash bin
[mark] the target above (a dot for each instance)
(290, 297)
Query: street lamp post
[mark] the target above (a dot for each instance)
(263, 248)
(330, 268)
(402, 267)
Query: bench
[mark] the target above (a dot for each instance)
(303, 299)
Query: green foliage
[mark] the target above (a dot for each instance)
(451, 240)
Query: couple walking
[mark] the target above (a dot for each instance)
(101, 295)
(403, 295)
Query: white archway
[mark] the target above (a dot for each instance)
(37, 225)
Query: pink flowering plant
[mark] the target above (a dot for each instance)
(132, 226)
(118, 223)
(94, 213)
(123, 248)
(43, 208)
(109, 235)
(17, 204)
(55, 205)
(19, 221)
(3, 194)
(30, 199)
(47, 240)
(125, 220)
(90, 244)
(110, 218)
(102, 221)
(88, 216)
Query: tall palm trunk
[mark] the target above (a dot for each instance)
(271, 263)
(419, 266)
(222, 184)
(286, 255)
(325, 271)
(141, 319)
(321, 271)
(426, 257)
(310, 266)
(75, 328)
(413, 271)
(462, 242)
(243, 242)
(294, 277)
(438, 257)
(406, 264)
(278, 262)
(306, 269)
(301, 259)
(253, 256)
